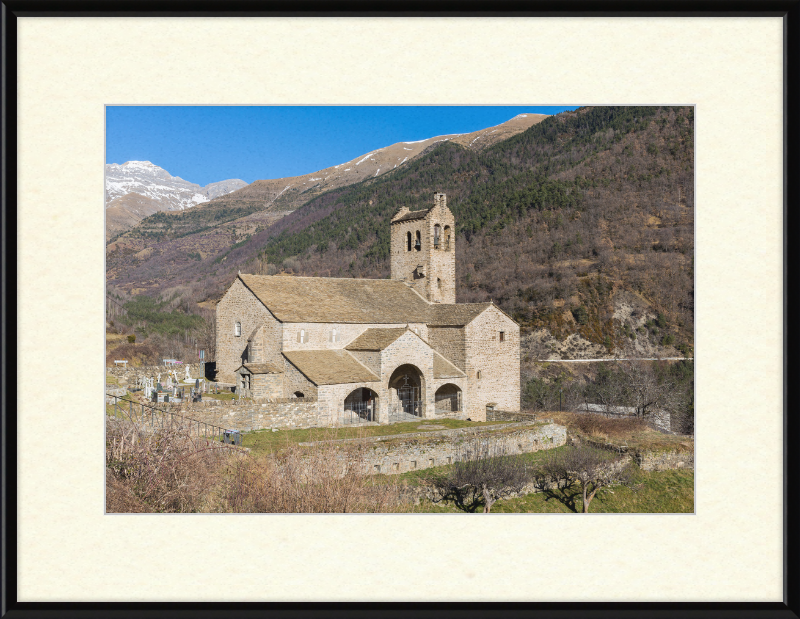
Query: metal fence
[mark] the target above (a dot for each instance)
(153, 419)
(448, 403)
(358, 412)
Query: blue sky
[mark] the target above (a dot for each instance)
(204, 144)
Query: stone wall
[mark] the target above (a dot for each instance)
(317, 336)
(288, 413)
(295, 381)
(498, 363)
(407, 452)
(652, 460)
(128, 374)
(665, 460)
(498, 415)
(240, 305)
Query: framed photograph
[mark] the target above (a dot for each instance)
(540, 249)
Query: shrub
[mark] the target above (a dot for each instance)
(580, 315)
(131, 339)
(483, 473)
(589, 469)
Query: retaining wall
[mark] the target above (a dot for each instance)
(407, 452)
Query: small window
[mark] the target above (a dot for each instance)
(438, 283)
(237, 329)
(418, 244)
(436, 236)
(408, 241)
(502, 336)
(447, 238)
(478, 375)
(299, 394)
(302, 337)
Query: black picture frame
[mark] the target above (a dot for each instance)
(12, 9)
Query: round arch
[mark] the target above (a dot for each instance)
(406, 392)
(448, 398)
(362, 402)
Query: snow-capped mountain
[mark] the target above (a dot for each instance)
(172, 193)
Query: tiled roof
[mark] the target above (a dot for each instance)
(329, 299)
(442, 368)
(458, 314)
(260, 368)
(375, 339)
(330, 367)
(411, 215)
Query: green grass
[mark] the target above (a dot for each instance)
(266, 441)
(654, 492)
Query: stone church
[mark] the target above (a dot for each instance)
(385, 349)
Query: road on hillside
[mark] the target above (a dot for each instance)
(615, 359)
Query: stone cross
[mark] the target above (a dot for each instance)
(187, 373)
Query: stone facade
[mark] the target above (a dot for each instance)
(496, 360)
(404, 339)
(239, 306)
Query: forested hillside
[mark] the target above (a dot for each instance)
(550, 223)
(555, 224)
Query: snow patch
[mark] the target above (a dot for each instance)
(376, 173)
(404, 148)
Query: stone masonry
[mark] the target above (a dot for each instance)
(430, 265)
(408, 452)
(393, 348)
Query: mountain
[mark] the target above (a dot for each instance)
(290, 193)
(154, 184)
(581, 225)
(264, 201)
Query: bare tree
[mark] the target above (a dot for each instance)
(483, 473)
(566, 474)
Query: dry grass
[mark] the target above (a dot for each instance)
(171, 471)
(165, 471)
(325, 479)
(633, 433)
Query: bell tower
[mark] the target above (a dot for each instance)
(424, 251)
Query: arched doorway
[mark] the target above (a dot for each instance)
(407, 389)
(448, 399)
(361, 405)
